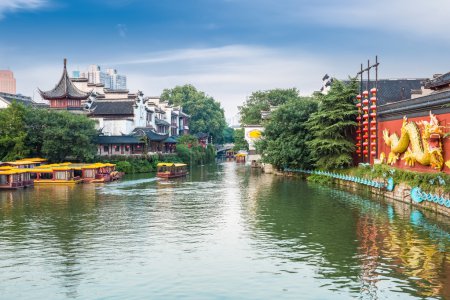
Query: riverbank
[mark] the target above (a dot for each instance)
(147, 163)
(433, 197)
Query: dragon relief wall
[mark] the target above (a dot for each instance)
(416, 144)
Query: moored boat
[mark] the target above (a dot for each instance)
(171, 170)
(59, 174)
(14, 178)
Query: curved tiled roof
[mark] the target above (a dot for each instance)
(161, 122)
(152, 135)
(112, 107)
(65, 89)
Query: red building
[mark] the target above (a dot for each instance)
(436, 100)
(65, 95)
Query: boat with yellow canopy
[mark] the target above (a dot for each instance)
(171, 170)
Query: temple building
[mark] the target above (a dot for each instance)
(128, 123)
(408, 130)
(65, 95)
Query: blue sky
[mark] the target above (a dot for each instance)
(227, 48)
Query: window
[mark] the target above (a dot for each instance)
(106, 148)
(117, 148)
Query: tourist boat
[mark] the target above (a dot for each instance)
(97, 173)
(241, 157)
(55, 174)
(171, 170)
(14, 178)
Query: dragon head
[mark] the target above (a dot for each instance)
(431, 135)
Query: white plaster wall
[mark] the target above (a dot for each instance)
(118, 127)
(251, 141)
(140, 115)
(3, 103)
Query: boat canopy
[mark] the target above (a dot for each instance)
(170, 164)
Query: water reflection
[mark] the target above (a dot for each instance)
(225, 231)
(355, 243)
(50, 217)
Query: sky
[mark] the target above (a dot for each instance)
(226, 48)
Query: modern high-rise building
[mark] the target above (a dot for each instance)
(117, 81)
(110, 79)
(7, 82)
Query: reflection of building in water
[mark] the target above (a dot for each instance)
(417, 259)
(256, 186)
(370, 237)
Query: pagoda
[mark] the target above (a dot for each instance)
(65, 95)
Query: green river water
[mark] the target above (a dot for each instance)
(224, 232)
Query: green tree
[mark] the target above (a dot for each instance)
(228, 135)
(286, 133)
(239, 140)
(206, 114)
(333, 126)
(12, 132)
(69, 135)
(262, 101)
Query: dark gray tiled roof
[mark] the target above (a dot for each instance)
(438, 82)
(393, 90)
(152, 135)
(25, 100)
(117, 139)
(112, 107)
(65, 89)
(161, 122)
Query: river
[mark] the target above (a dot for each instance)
(224, 232)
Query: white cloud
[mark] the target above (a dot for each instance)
(229, 73)
(16, 5)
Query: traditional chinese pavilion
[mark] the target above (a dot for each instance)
(65, 95)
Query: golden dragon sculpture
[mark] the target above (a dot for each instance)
(423, 139)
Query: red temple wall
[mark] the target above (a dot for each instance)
(395, 126)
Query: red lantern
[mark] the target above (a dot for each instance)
(373, 91)
(365, 93)
(365, 102)
(373, 107)
(358, 97)
(358, 104)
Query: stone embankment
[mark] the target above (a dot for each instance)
(388, 189)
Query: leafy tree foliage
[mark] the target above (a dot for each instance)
(228, 135)
(206, 114)
(54, 135)
(286, 133)
(12, 132)
(333, 125)
(262, 101)
(239, 140)
(69, 135)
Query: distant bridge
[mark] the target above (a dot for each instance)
(223, 148)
